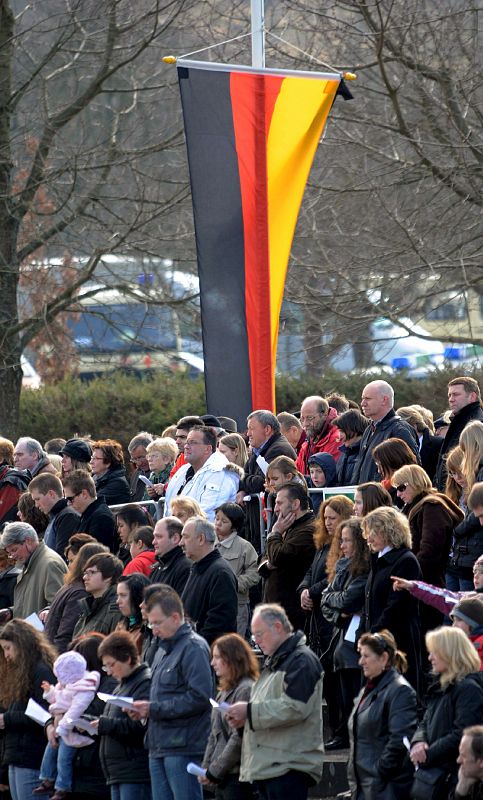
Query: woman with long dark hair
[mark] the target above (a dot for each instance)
(26, 660)
(130, 590)
(369, 496)
(128, 519)
(236, 668)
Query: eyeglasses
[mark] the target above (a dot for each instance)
(99, 458)
(311, 418)
(108, 667)
(90, 572)
(70, 499)
(191, 443)
(402, 487)
(153, 625)
(135, 459)
(478, 569)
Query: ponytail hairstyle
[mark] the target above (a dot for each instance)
(384, 642)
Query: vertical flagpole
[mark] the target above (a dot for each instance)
(258, 34)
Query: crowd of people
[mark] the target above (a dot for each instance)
(209, 622)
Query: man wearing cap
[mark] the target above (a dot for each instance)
(213, 422)
(48, 495)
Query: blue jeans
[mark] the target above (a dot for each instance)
(456, 584)
(130, 791)
(22, 782)
(170, 781)
(57, 765)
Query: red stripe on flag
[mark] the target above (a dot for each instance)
(253, 100)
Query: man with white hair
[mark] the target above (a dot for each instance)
(210, 595)
(378, 405)
(29, 454)
(42, 573)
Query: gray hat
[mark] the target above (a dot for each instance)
(470, 611)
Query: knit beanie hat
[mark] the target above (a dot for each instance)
(70, 667)
(77, 449)
(470, 611)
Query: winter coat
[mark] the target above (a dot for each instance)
(290, 555)
(327, 463)
(24, 739)
(123, 756)
(448, 712)
(457, 425)
(343, 598)
(319, 631)
(113, 486)
(253, 482)
(432, 519)
(143, 563)
(326, 442)
(215, 483)
(210, 597)
(429, 450)
(173, 568)
(241, 557)
(223, 751)
(379, 765)
(396, 611)
(283, 730)
(391, 426)
(100, 614)
(181, 687)
(64, 614)
(39, 581)
(99, 521)
(68, 702)
(63, 522)
(347, 463)
(13, 482)
(467, 545)
(43, 466)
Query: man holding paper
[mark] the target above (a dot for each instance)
(178, 709)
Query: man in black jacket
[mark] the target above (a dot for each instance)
(48, 495)
(210, 595)
(96, 517)
(171, 566)
(464, 400)
(378, 405)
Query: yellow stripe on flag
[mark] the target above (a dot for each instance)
(297, 123)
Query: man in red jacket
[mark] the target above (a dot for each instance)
(316, 417)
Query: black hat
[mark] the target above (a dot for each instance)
(77, 449)
(228, 424)
(212, 422)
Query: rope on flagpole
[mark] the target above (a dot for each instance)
(348, 75)
(173, 59)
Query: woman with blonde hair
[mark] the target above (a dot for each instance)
(432, 519)
(332, 511)
(471, 443)
(233, 447)
(185, 507)
(429, 444)
(389, 538)
(455, 487)
(161, 454)
(454, 702)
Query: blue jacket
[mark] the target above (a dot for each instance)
(181, 687)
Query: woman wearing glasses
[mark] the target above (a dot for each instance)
(432, 519)
(99, 611)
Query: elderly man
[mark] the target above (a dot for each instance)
(266, 443)
(210, 595)
(29, 454)
(171, 566)
(464, 400)
(378, 405)
(282, 750)
(207, 476)
(178, 707)
(137, 453)
(42, 573)
(291, 427)
(316, 417)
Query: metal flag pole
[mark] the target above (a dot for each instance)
(258, 33)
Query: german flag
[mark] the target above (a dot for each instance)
(251, 139)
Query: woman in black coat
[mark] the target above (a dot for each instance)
(385, 713)
(108, 471)
(341, 601)
(123, 756)
(455, 702)
(27, 660)
(389, 538)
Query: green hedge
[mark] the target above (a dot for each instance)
(121, 406)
